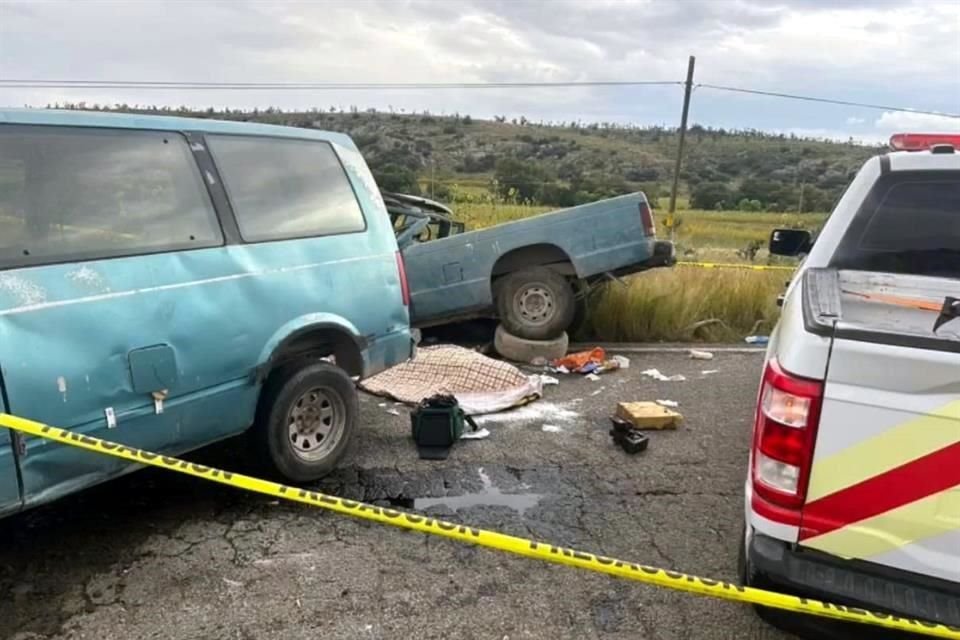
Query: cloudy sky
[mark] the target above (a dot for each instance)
(888, 52)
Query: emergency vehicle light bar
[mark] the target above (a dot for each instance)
(923, 141)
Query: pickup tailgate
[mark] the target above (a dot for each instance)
(885, 480)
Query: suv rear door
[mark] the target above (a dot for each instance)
(885, 481)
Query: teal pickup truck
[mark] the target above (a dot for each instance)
(532, 274)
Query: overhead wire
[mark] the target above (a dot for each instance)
(21, 83)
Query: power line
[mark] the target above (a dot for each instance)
(847, 103)
(15, 83)
(314, 86)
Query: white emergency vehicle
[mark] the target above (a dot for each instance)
(853, 491)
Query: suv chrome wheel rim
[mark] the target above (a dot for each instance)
(315, 423)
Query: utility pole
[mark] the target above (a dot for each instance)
(688, 87)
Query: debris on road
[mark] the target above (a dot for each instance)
(671, 404)
(551, 428)
(627, 437)
(538, 412)
(707, 372)
(648, 415)
(548, 380)
(697, 354)
(393, 412)
(577, 362)
(656, 375)
(479, 383)
(623, 361)
(598, 391)
(592, 377)
(757, 339)
(479, 434)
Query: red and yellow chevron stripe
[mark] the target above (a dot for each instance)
(897, 488)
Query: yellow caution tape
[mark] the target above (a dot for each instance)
(674, 580)
(733, 265)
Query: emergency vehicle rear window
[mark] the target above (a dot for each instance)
(909, 225)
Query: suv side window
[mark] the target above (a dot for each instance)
(285, 188)
(72, 193)
(908, 224)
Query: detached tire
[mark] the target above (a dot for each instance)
(306, 419)
(521, 350)
(535, 303)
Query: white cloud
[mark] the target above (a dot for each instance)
(894, 52)
(905, 122)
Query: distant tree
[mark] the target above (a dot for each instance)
(706, 195)
(393, 177)
(518, 178)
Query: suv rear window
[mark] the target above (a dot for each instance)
(71, 193)
(284, 188)
(910, 225)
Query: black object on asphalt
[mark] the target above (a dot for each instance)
(627, 437)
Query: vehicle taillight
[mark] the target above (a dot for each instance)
(785, 431)
(923, 141)
(646, 217)
(404, 286)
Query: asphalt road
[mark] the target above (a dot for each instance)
(156, 555)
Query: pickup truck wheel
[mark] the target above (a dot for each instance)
(307, 416)
(536, 303)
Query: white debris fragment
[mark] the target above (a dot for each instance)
(598, 391)
(551, 428)
(479, 434)
(382, 404)
(232, 583)
(548, 380)
(623, 361)
(393, 412)
(668, 403)
(539, 412)
(696, 354)
(656, 375)
(592, 377)
(561, 369)
(707, 372)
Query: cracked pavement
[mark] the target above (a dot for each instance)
(159, 555)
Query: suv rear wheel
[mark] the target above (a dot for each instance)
(307, 416)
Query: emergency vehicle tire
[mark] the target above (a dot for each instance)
(306, 417)
(522, 350)
(535, 303)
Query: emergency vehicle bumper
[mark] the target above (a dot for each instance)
(778, 566)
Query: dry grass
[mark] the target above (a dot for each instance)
(684, 304)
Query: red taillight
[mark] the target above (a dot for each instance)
(788, 412)
(646, 217)
(404, 286)
(923, 141)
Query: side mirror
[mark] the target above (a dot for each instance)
(790, 242)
